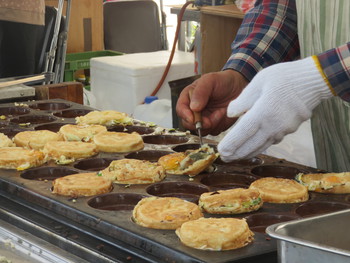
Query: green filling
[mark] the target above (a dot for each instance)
(198, 156)
(253, 202)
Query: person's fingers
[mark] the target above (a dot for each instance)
(183, 109)
(210, 95)
(252, 134)
(243, 131)
(201, 92)
(213, 118)
(244, 101)
(251, 148)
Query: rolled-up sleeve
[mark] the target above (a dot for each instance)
(336, 66)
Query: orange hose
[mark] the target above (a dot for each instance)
(165, 73)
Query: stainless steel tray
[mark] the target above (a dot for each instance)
(323, 238)
(17, 245)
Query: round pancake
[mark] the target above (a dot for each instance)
(5, 141)
(132, 171)
(279, 190)
(118, 142)
(83, 132)
(332, 183)
(20, 158)
(191, 162)
(83, 184)
(67, 152)
(106, 118)
(232, 201)
(35, 139)
(164, 212)
(215, 233)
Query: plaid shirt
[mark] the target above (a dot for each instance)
(268, 35)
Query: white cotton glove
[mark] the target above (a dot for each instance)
(275, 103)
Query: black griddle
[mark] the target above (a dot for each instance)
(104, 222)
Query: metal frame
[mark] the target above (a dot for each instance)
(59, 44)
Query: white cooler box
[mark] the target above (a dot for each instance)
(122, 82)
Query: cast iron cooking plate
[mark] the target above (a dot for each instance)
(223, 181)
(259, 221)
(71, 113)
(49, 106)
(185, 190)
(246, 162)
(14, 111)
(164, 139)
(148, 155)
(94, 164)
(115, 201)
(48, 173)
(277, 171)
(31, 119)
(3, 123)
(139, 129)
(313, 208)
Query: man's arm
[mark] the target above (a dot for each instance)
(268, 35)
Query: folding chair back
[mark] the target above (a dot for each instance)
(132, 26)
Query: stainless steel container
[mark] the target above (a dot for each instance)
(324, 238)
(17, 245)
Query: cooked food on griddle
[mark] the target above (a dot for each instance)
(82, 132)
(35, 139)
(191, 162)
(164, 212)
(171, 162)
(215, 234)
(231, 201)
(64, 152)
(118, 142)
(5, 141)
(106, 118)
(280, 190)
(20, 158)
(133, 171)
(334, 183)
(82, 184)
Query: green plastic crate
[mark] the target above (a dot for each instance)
(76, 61)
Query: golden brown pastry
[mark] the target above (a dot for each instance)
(83, 184)
(35, 139)
(83, 132)
(132, 171)
(279, 190)
(118, 142)
(232, 201)
(190, 163)
(20, 158)
(5, 141)
(333, 183)
(106, 118)
(215, 233)
(164, 212)
(64, 152)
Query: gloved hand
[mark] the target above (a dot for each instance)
(275, 103)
